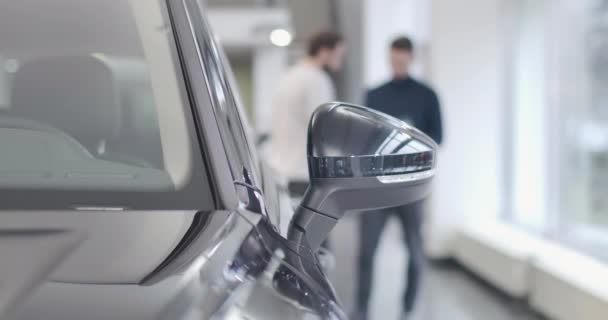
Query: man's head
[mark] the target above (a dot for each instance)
(328, 49)
(402, 55)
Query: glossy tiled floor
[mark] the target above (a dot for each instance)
(449, 293)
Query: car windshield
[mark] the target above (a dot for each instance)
(90, 99)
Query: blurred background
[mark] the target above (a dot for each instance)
(518, 222)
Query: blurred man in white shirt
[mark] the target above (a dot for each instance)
(301, 90)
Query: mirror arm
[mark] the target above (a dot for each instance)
(310, 226)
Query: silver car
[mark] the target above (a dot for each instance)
(129, 184)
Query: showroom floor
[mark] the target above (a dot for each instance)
(449, 294)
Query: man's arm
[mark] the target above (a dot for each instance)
(435, 123)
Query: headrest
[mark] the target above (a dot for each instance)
(140, 132)
(76, 94)
(132, 80)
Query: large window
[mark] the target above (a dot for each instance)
(92, 102)
(559, 85)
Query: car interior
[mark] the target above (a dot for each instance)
(78, 104)
(113, 105)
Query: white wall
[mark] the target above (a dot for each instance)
(384, 20)
(466, 69)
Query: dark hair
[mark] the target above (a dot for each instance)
(323, 40)
(402, 43)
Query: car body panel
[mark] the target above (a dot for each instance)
(250, 273)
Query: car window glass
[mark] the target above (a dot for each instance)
(90, 98)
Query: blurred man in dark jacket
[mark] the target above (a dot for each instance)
(417, 104)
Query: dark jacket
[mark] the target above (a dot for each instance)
(410, 101)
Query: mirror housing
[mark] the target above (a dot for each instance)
(359, 159)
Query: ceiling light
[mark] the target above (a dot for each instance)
(280, 37)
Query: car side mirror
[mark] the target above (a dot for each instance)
(359, 159)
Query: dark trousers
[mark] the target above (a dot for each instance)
(372, 225)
